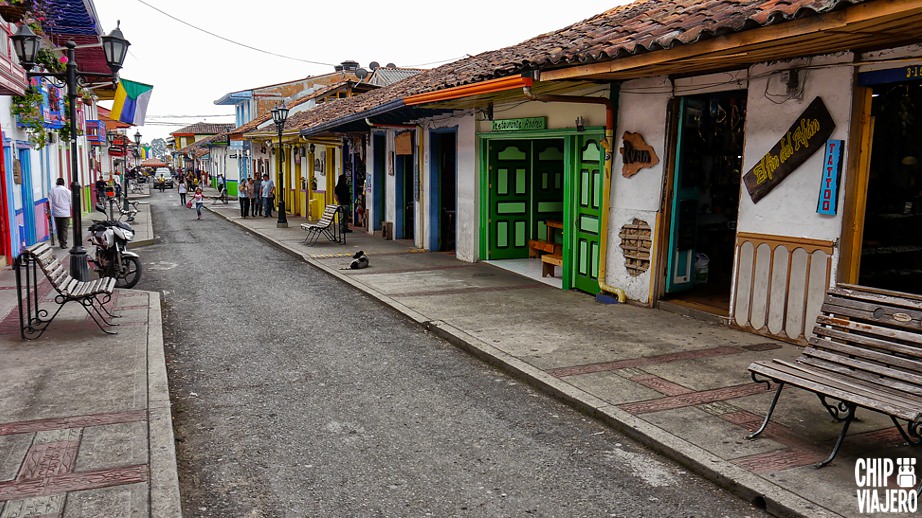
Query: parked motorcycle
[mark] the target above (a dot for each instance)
(112, 257)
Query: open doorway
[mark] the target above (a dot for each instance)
(525, 201)
(405, 200)
(891, 245)
(443, 192)
(705, 200)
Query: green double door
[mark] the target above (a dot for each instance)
(529, 186)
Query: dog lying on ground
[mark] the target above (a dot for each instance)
(359, 261)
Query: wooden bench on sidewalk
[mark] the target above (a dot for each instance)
(866, 352)
(326, 226)
(91, 295)
(221, 196)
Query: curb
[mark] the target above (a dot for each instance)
(164, 472)
(751, 488)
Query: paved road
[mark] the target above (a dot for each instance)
(295, 395)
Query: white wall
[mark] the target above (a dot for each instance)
(790, 209)
(642, 109)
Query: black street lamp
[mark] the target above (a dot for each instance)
(27, 45)
(280, 115)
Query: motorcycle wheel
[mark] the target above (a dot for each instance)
(132, 266)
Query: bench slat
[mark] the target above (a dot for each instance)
(884, 371)
(867, 315)
(895, 386)
(886, 297)
(888, 349)
(834, 387)
(864, 329)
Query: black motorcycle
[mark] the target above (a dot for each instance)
(112, 257)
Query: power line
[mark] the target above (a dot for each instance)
(161, 11)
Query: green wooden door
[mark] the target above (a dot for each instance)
(510, 162)
(587, 221)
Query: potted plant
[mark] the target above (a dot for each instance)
(13, 11)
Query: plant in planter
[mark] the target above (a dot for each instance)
(13, 11)
(27, 110)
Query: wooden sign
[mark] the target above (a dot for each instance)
(801, 141)
(403, 143)
(636, 154)
(829, 185)
(529, 123)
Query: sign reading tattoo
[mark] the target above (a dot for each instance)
(636, 154)
(806, 136)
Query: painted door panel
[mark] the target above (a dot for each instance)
(588, 191)
(683, 224)
(509, 199)
(547, 186)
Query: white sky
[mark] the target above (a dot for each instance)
(191, 69)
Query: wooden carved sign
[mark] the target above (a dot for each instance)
(636, 154)
(806, 136)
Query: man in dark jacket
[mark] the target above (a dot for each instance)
(343, 199)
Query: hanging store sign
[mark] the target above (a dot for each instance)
(829, 186)
(800, 142)
(528, 123)
(636, 154)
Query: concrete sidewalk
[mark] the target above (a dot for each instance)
(677, 384)
(85, 424)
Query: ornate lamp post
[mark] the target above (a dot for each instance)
(115, 46)
(280, 115)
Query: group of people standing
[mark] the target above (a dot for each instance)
(256, 196)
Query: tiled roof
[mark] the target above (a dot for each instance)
(636, 28)
(265, 117)
(386, 76)
(203, 128)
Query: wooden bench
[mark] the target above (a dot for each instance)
(548, 261)
(221, 196)
(33, 320)
(326, 226)
(536, 247)
(866, 352)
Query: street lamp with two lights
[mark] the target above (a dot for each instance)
(279, 116)
(115, 46)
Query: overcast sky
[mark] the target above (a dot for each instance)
(190, 69)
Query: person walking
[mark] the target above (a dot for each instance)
(182, 193)
(258, 198)
(268, 195)
(60, 197)
(343, 198)
(198, 199)
(243, 197)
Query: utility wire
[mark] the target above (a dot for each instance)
(161, 11)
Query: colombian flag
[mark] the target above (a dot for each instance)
(131, 99)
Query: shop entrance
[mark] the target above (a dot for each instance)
(443, 201)
(891, 244)
(705, 200)
(525, 193)
(405, 201)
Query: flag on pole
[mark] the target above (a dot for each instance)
(131, 99)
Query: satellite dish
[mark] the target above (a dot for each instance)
(374, 65)
(390, 65)
(361, 73)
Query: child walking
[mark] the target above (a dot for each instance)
(198, 199)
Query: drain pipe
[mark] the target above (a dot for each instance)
(608, 145)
